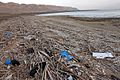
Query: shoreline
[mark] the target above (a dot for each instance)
(5, 16)
(95, 18)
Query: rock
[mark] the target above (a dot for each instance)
(8, 34)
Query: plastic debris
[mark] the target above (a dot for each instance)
(14, 62)
(66, 55)
(7, 61)
(36, 67)
(8, 34)
(102, 55)
(33, 49)
(30, 50)
(69, 57)
(70, 78)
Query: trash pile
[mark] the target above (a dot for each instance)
(29, 58)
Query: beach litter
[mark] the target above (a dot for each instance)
(7, 61)
(61, 66)
(70, 78)
(102, 55)
(42, 62)
(66, 55)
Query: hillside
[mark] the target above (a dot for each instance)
(14, 8)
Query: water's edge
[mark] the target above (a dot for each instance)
(89, 14)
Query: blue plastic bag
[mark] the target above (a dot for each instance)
(64, 53)
(69, 57)
(8, 61)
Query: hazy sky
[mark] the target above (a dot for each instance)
(81, 4)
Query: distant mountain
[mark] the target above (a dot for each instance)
(14, 8)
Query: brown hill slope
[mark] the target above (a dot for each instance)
(14, 8)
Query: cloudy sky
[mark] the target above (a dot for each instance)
(81, 4)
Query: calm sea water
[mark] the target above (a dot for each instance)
(104, 14)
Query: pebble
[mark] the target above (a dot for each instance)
(8, 34)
